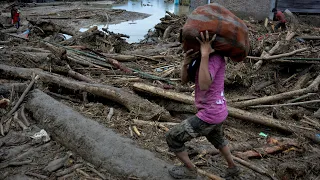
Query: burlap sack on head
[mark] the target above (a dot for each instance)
(232, 34)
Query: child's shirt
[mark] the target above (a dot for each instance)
(211, 104)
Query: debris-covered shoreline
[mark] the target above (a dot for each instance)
(135, 91)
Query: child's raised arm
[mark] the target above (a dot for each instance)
(205, 78)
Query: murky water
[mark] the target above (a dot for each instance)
(138, 28)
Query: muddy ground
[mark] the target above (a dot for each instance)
(159, 57)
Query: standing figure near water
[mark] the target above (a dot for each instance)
(15, 16)
(210, 102)
(281, 18)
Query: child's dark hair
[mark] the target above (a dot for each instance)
(188, 36)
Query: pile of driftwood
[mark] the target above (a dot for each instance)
(97, 63)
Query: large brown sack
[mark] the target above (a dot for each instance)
(232, 34)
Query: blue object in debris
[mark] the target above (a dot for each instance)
(300, 40)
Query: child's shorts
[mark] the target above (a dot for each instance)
(192, 128)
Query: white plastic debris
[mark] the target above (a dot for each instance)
(41, 135)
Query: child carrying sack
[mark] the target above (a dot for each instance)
(232, 34)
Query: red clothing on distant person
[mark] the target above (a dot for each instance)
(15, 17)
(280, 17)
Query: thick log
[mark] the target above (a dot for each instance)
(31, 49)
(67, 71)
(253, 167)
(258, 119)
(58, 52)
(164, 93)
(234, 112)
(290, 35)
(5, 42)
(167, 32)
(93, 142)
(286, 95)
(49, 26)
(310, 37)
(121, 57)
(82, 35)
(302, 81)
(178, 107)
(134, 103)
(10, 30)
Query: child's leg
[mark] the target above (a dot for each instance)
(176, 138)
(225, 151)
(216, 137)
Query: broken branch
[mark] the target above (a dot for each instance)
(279, 55)
(286, 95)
(286, 104)
(131, 101)
(253, 167)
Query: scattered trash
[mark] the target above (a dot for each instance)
(41, 135)
(263, 134)
(4, 103)
(300, 40)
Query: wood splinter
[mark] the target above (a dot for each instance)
(135, 130)
(110, 114)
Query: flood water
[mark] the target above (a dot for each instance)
(139, 28)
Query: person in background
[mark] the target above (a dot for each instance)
(281, 18)
(211, 105)
(15, 16)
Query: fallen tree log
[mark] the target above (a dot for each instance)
(80, 36)
(253, 167)
(309, 37)
(313, 87)
(31, 49)
(134, 103)
(10, 30)
(121, 57)
(93, 142)
(58, 52)
(68, 71)
(36, 58)
(286, 104)
(233, 112)
(178, 107)
(50, 27)
(164, 93)
(5, 42)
